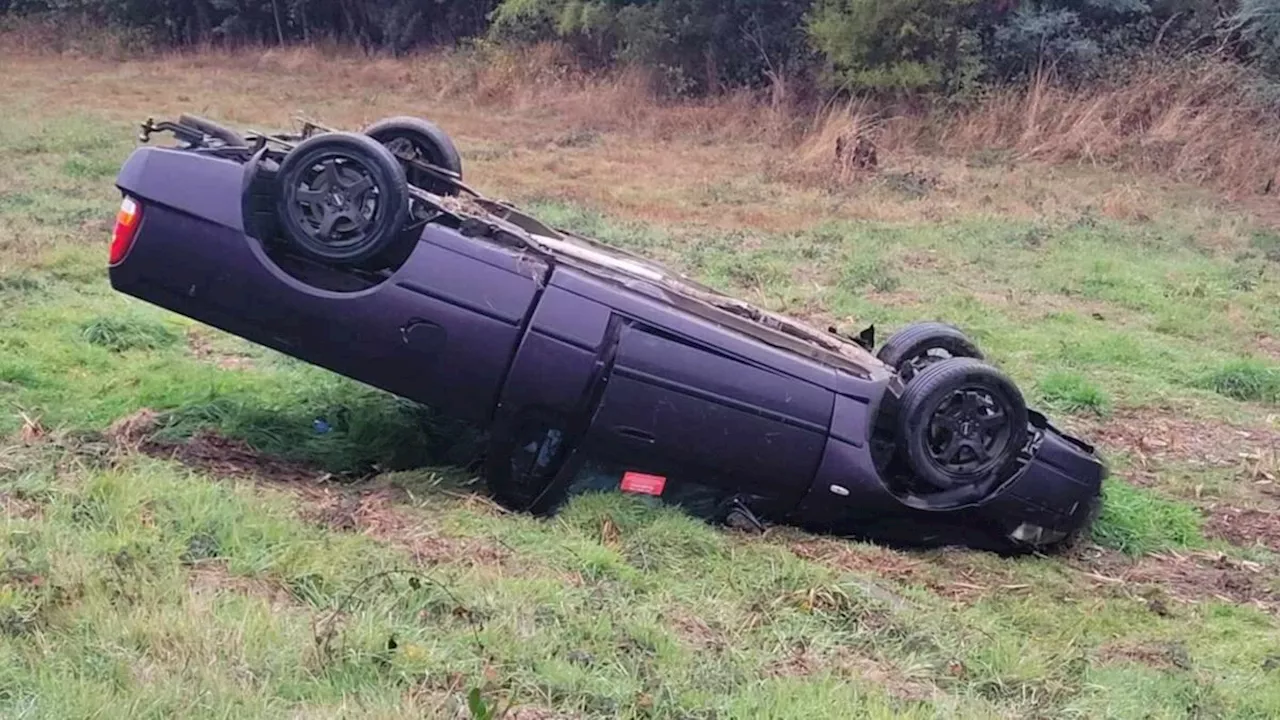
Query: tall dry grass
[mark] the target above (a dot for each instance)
(1198, 122)
(1194, 122)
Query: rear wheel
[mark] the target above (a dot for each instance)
(410, 138)
(919, 345)
(961, 421)
(343, 198)
(213, 129)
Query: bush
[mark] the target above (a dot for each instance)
(695, 45)
(1256, 24)
(388, 25)
(701, 46)
(897, 45)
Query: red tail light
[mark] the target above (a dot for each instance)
(126, 227)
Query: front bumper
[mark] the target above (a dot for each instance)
(1052, 497)
(1055, 495)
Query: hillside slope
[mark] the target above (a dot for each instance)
(180, 540)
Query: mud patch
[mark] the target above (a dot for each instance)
(1245, 527)
(850, 557)
(17, 507)
(224, 457)
(131, 431)
(804, 661)
(211, 579)
(1159, 655)
(374, 513)
(371, 511)
(946, 573)
(697, 633)
(1269, 346)
(1183, 578)
(1154, 436)
(201, 348)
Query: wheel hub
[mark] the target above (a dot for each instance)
(968, 430)
(336, 202)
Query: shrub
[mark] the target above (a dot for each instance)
(1248, 380)
(896, 45)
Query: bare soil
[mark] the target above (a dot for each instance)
(1245, 527)
(842, 662)
(1159, 655)
(1161, 435)
(199, 345)
(376, 512)
(211, 577)
(1162, 579)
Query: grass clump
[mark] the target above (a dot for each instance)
(1267, 241)
(1136, 521)
(1246, 379)
(1070, 392)
(121, 334)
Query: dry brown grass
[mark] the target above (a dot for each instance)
(531, 122)
(1195, 123)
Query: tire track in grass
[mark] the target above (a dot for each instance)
(373, 511)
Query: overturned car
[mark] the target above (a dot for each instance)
(366, 253)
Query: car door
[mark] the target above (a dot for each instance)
(674, 405)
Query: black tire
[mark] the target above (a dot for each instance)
(917, 346)
(961, 421)
(343, 198)
(424, 140)
(213, 129)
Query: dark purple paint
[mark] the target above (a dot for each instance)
(623, 372)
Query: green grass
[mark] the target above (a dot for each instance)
(1247, 379)
(136, 587)
(127, 334)
(1137, 521)
(1071, 393)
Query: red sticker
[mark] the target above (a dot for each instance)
(634, 482)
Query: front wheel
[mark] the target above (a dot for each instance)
(343, 198)
(410, 139)
(960, 422)
(916, 346)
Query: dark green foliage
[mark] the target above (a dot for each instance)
(898, 44)
(954, 47)
(1256, 26)
(698, 45)
(388, 25)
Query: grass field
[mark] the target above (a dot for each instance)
(179, 540)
